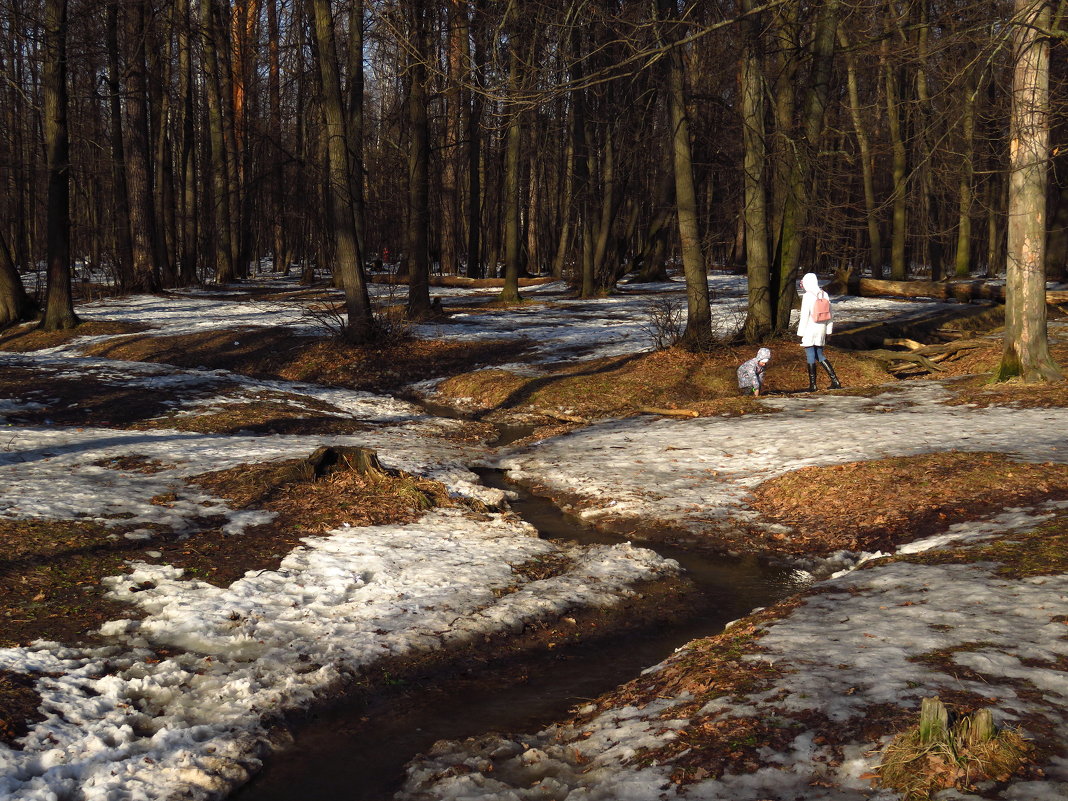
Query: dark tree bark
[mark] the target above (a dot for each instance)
(418, 249)
(143, 230)
(759, 322)
(222, 256)
(15, 304)
(59, 304)
(341, 217)
(121, 209)
(697, 335)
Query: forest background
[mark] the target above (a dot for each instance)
(173, 143)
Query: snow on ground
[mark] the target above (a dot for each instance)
(121, 725)
(696, 473)
(843, 649)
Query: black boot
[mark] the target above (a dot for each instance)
(812, 378)
(835, 383)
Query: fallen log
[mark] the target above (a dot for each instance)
(563, 417)
(668, 412)
(901, 342)
(458, 280)
(961, 291)
(888, 357)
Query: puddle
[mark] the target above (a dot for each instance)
(357, 750)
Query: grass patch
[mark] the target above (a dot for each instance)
(941, 752)
(669, 379)
(977, 390)
(883, 503)
(1040, 552)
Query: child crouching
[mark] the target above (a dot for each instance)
(751, 373)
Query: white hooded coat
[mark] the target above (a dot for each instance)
(811, 332)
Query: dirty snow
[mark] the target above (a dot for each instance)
(120, 725)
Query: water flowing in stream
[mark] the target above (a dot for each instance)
(357, 750)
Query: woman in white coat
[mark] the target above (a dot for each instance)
(814, 334)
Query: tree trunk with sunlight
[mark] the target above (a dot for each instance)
(340, 213)
(1026, 353)
(698, 332)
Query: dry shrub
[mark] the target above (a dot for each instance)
(665, 322)
(940, 753)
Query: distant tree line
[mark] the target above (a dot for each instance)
(174, 142)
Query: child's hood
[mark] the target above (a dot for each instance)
(764, 355)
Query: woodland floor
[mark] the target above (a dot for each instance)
(50, 573)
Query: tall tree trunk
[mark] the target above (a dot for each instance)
(697, 335)
(962, 265)
(59, 304)
(899, 169)
(143, 229)
(512, 201)
(596, 282)
(567, 196)
(187, 260)
(341, 217)
(356, 116)
(759, 322)
(860, 130)
(800, 165)
(418, 166)
(452, 155)
(1026, 353)
(513, 169)
(474, 145)
(653, 256)
(161, 119)
(279, 248)
(15, 304)
(121, 211)
(221, 237)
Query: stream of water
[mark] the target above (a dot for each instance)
(357, 750)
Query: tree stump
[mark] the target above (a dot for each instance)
(328, 459)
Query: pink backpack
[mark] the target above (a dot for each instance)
(821, 310)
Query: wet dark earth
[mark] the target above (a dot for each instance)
(357, 749)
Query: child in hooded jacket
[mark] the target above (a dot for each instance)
(751, 373)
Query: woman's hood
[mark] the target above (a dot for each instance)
(810, 283)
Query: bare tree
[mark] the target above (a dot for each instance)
(1026, 353)
(59, 304)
